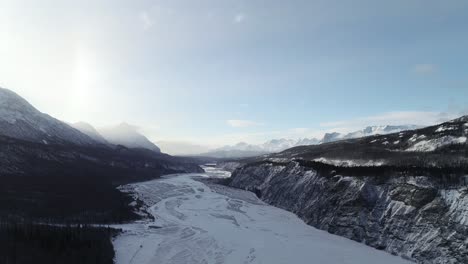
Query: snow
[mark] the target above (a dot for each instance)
(215, 172)
(279, 160)
(445, 128)
(206, 223)
(413, 138)
(350, 163)
(396, 142)
(19, 119)
(278, 145)
(433, 144)
(385, 143)
(457, 205)
(399, 208)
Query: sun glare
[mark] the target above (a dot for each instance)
(85, 77)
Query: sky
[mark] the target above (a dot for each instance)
(216, 72)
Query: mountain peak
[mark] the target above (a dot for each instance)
(13, 106)
(19, 119)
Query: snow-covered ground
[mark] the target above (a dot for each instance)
(433, 144)
(351, 163)
(207, 223)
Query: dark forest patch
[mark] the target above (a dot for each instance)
(45, 244)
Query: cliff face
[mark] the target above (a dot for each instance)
(229, 165)
(416, 217)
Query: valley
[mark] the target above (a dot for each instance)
(197, 221)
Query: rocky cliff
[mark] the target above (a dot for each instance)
(421, 218)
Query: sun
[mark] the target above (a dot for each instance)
(85, 77)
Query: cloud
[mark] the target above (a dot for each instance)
(420, 118)
(242, 123)
(425, 68)
(239, 18)
(146, 20)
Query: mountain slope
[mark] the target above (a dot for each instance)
(19, 119)
(435, 145)
(90, 131)
(127, 135)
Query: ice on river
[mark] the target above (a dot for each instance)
(205, 223)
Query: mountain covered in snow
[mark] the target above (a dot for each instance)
(243, 149)
(433, 146)
(240, 149)
(128, 136)
(19, 119)
(368, 131)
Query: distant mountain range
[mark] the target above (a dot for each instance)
(243, 149)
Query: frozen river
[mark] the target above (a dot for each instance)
(197, 222)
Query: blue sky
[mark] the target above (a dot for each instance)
(216, 72)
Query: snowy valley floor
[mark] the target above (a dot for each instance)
(206, 223)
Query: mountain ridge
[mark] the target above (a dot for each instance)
(243, 149)
(89, 130)
(19, 119)
(127, 135)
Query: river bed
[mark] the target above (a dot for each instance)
(198, 222)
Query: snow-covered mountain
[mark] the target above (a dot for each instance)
(89, 130)
(240, 149)
(19, 119)
(378, 130)
(368, 131)
(276, 145)
(330, 137)
(127, 135)
(242, 146)
(243, 149)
